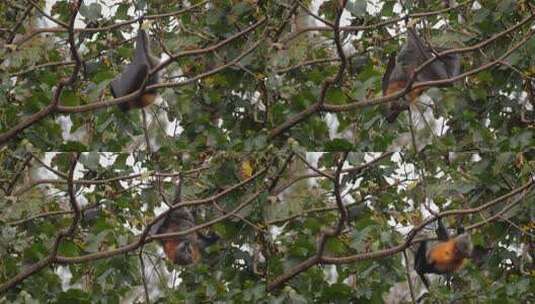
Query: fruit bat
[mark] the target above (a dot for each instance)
(134, 74)
(187, 249)
(401, 68)
(443, 257)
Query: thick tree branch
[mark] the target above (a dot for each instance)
(411, 235)
(144, 236)
(378, 24)
(411, 85)
(355, 169)
(6, 136)
(321, 106)
(17, 279)
(283, 278)
(102, 181)
(62, 29)
(103, 104)
(336, 80)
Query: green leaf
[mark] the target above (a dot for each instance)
(91, 160)
(357, 7)
(68, 248)
(336, 96)
(91, 12)
(73, 296)
(338, 144)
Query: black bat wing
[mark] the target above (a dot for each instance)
(389, 68)
(129, 80)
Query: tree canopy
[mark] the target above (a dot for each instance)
(269, 126)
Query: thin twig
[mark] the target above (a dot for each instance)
(13, 181)
(409, 280)
(146, 131)
(143, 276)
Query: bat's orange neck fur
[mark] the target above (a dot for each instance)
(446, 257)
(396, 86)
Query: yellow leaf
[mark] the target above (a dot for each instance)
(246, 169)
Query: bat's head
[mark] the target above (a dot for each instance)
(183, 249)
(187, 252)
(463, 244)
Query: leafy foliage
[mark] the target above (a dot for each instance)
(252, 89)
